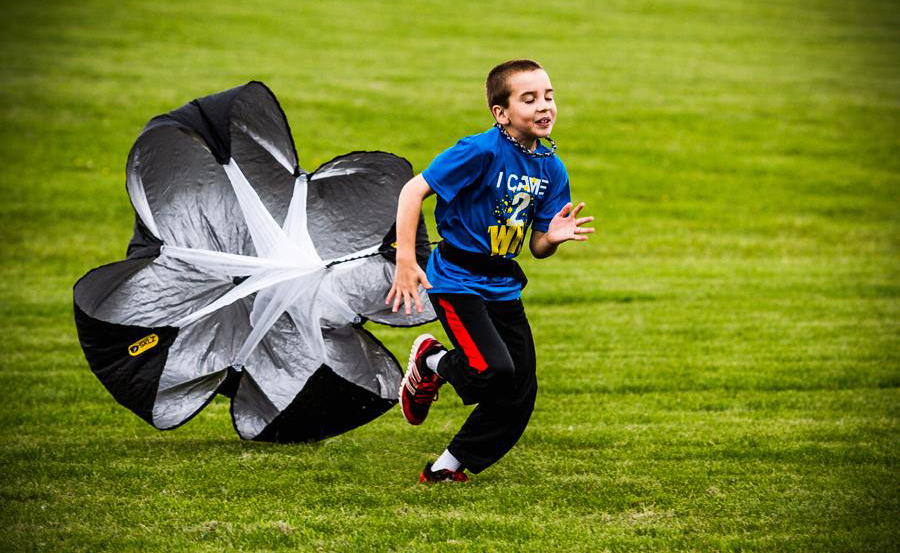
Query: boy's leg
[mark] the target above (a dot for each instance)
(480, 366)
(505, 399)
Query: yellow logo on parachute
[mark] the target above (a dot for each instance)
(143, 345)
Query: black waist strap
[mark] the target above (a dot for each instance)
(481, 264)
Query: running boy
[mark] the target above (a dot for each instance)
(491, 187)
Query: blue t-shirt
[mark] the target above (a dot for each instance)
(488, 193)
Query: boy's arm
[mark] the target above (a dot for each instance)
(408, 274)
(564, 226)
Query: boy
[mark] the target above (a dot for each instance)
(490, 187)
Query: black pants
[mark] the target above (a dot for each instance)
(493, 365)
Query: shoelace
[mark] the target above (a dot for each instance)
(426, 392)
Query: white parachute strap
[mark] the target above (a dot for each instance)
(253, 284)
(288, 275)
(268, 308)
(226, 263)
(268, 238)
(295, 221)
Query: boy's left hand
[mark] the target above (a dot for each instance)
(566, 226)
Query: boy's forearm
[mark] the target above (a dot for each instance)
(408, 208)
(540, 246)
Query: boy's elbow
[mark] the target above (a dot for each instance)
(417, 187)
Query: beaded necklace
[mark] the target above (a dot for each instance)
(522, 146)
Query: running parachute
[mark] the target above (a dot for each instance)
(248, 277)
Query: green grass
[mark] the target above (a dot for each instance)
(719, 365)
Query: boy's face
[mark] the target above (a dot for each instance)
(531, 111)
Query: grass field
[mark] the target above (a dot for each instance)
(719, 365)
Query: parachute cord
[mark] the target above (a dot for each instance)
(373, 254)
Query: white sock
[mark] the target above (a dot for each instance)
(446, 461)
(432, 360)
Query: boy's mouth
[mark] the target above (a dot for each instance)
(543, 122)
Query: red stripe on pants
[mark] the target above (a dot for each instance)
(476, 361)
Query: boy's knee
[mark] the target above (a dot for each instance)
(495, 376)
(501, 371)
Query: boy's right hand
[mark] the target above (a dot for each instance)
(407, 277)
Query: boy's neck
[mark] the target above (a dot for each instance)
(523, 141)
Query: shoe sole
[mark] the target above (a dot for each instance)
(410, 365)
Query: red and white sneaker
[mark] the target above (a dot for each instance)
(420, 385)
(443, 475)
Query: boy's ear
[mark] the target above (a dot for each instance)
(499, 113)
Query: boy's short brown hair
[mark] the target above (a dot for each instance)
(497, 84)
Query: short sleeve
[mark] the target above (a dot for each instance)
(455, 168)
(557, 195)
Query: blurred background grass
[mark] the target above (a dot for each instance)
(718, 365)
